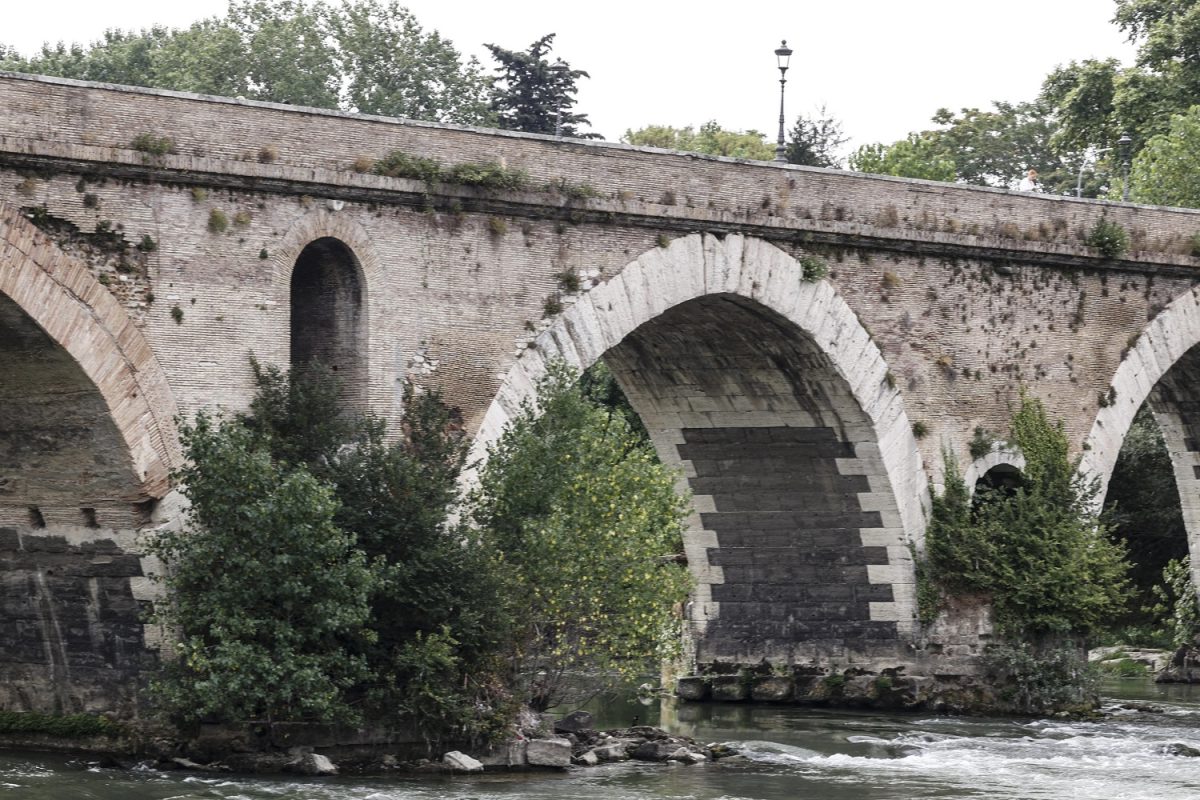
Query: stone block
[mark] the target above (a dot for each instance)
(461, 762)
(693, 688)
(548, 753)
(508, 754)
(772, 689)
(729, 689)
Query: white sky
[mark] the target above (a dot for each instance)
(881, 66)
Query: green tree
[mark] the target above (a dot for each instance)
(1167, 170)
(391, 66)
(918, 156)
(533, 95)
(268, 596)
(586, 525)
(1037, 551)
(814, 141)
(362, 55)
(997, 147)
(711, 139)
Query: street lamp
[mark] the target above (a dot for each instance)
(1124, 147)
(558, 69)
(782, 55)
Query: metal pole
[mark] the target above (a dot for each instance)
(780, 147)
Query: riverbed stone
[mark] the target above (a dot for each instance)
(613, 750)
(506, 754)
(587, 759)
(314, 764)
(772, 689)
(729, 689)
(575, 722)
(554, 752)
(662, 750)
(692, 687)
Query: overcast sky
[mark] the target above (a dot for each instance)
(881, 66)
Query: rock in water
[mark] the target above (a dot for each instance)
(549, 753)
(461, 762)
(314, 764)
(574, 722)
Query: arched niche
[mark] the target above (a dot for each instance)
(328, 315)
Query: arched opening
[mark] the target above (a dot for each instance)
(768, 394)
(1143, 509)
(1002, 480)
(328, 315)
(61, 453)
(771, 442)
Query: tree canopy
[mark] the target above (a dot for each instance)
(370, 56)
(711, 139)
(532, 94)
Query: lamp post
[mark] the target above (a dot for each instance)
(1124, 147)
(558, 69)
(782, 55)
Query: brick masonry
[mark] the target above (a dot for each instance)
(122, 300)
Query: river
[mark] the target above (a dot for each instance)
(790, 753)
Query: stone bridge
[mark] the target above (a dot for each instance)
(150, 242)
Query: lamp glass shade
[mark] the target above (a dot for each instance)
(783, 54)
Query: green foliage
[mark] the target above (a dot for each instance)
(218, 222)
(1036, 679)
(813, 268)
(265, 591)
(1122, 668)
(981, 443)
(58, 726)
(177, 314)
(918, 156)
(814, 141)
(996, 147)
(530, 94)
(1108, 237)
(370, 56)
(711, 139)
(585, 524)
(488, 174)
(398, 164)
(1165, 172)
(153, 145)
(1177, 609)
(920, 430)
(1038, 550)
(598, 385)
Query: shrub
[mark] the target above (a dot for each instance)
(153, 145)
(398, 164)
(1039, 552)
(813, 268)
(488, 174)
(1108, 237)
(585, 523)
(267, 593)
(217, 221)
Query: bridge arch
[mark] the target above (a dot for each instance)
(1161, 369)
(77, 370)
(730, 357)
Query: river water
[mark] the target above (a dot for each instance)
(790, 753)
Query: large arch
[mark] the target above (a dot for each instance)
(1161, 369)
(75, 360)
(768, 393)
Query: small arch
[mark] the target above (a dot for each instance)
(328, 317)
(1000, 463)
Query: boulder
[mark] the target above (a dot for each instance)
(461, 762)
(613, 750)
(507, 754)
(548, 753)
(574, 722)
(313, 764)
(588, 759)
(661, 750)
(1180, 749)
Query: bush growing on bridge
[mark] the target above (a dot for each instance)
(1038, 552)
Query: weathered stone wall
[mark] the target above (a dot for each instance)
(789, 405)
